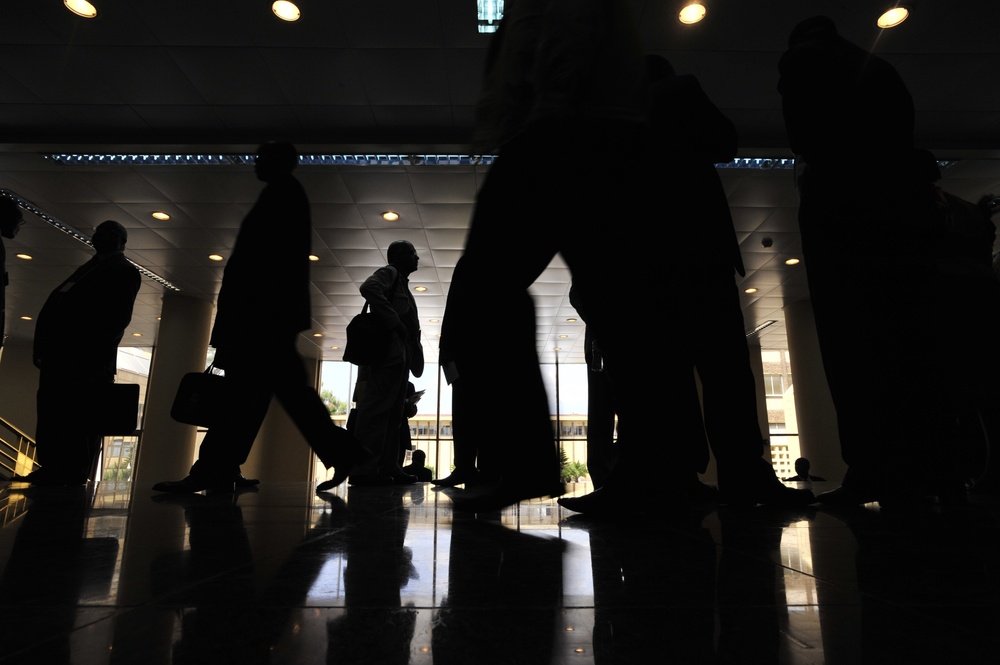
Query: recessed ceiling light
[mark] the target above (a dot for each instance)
(570, 320)
(162, 216)
(893, 17)
(215, 257)
(136, 334)
(334, 347)
(313, 257)
(791, 262)
(390, 216)
(750, 290)
(81, 8)
(420, 289)
(26, 257)
(286, 11)
(692, 13)
(435, 320)
(557, 348)
(25, 318)
(563, 336)
(317, 334)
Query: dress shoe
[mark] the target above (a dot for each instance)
(195, 484)
(759, 485)
(363, 480)
(345, 463)
(846, 497)
(242, 481)
(599, 503)
(458, 477)
(400, 477)
(496, 496)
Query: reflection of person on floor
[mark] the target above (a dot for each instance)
(50, 562)
(375, 626)
(95, 302)
(267, 280)
(493, 569)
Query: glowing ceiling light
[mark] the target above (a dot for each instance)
(692, 13)
(162, 216)
(286, 11)
(81, 8)
(893, 17)
(390, 216)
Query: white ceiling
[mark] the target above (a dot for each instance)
(398, 77)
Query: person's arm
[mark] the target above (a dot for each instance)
(378, 291)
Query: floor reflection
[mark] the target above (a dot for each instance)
(393, 576)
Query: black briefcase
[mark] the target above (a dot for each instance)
(200, 398)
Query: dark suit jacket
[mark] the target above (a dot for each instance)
(265, 286)
(94, 305)
(691, 135)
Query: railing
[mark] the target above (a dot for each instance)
(17, 451)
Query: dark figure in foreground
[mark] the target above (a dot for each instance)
(715, 339)
(840, 101)
(381, 390)
(556, 71)
(95, 302)
(802, 472)
(263, 305)
(11, 221)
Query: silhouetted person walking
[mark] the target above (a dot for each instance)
(95, 303)
(556, 71)
(868, 225)
(692, 135)
(262, 307)
(380, 392)
(11, 221)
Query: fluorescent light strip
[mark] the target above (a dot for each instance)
(765, 324)
(138, 159)
(79, 235)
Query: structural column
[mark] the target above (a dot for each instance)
(167, 447)
(819, 440)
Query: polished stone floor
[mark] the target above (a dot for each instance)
(115, 574)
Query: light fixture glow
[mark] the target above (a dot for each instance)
(435, 320)
(334, 347)
(313, 257)
(390, 216)
(420, 289)
(791, 262)
(692, 13)
(893, 17)
(81, 8)
(286, 11)
(26, 257)
(136, 334)
(557, 348)
(215, 257)
(162, 216)
(750, 290)
(563, 336)
(570, 320)
(25, 318)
